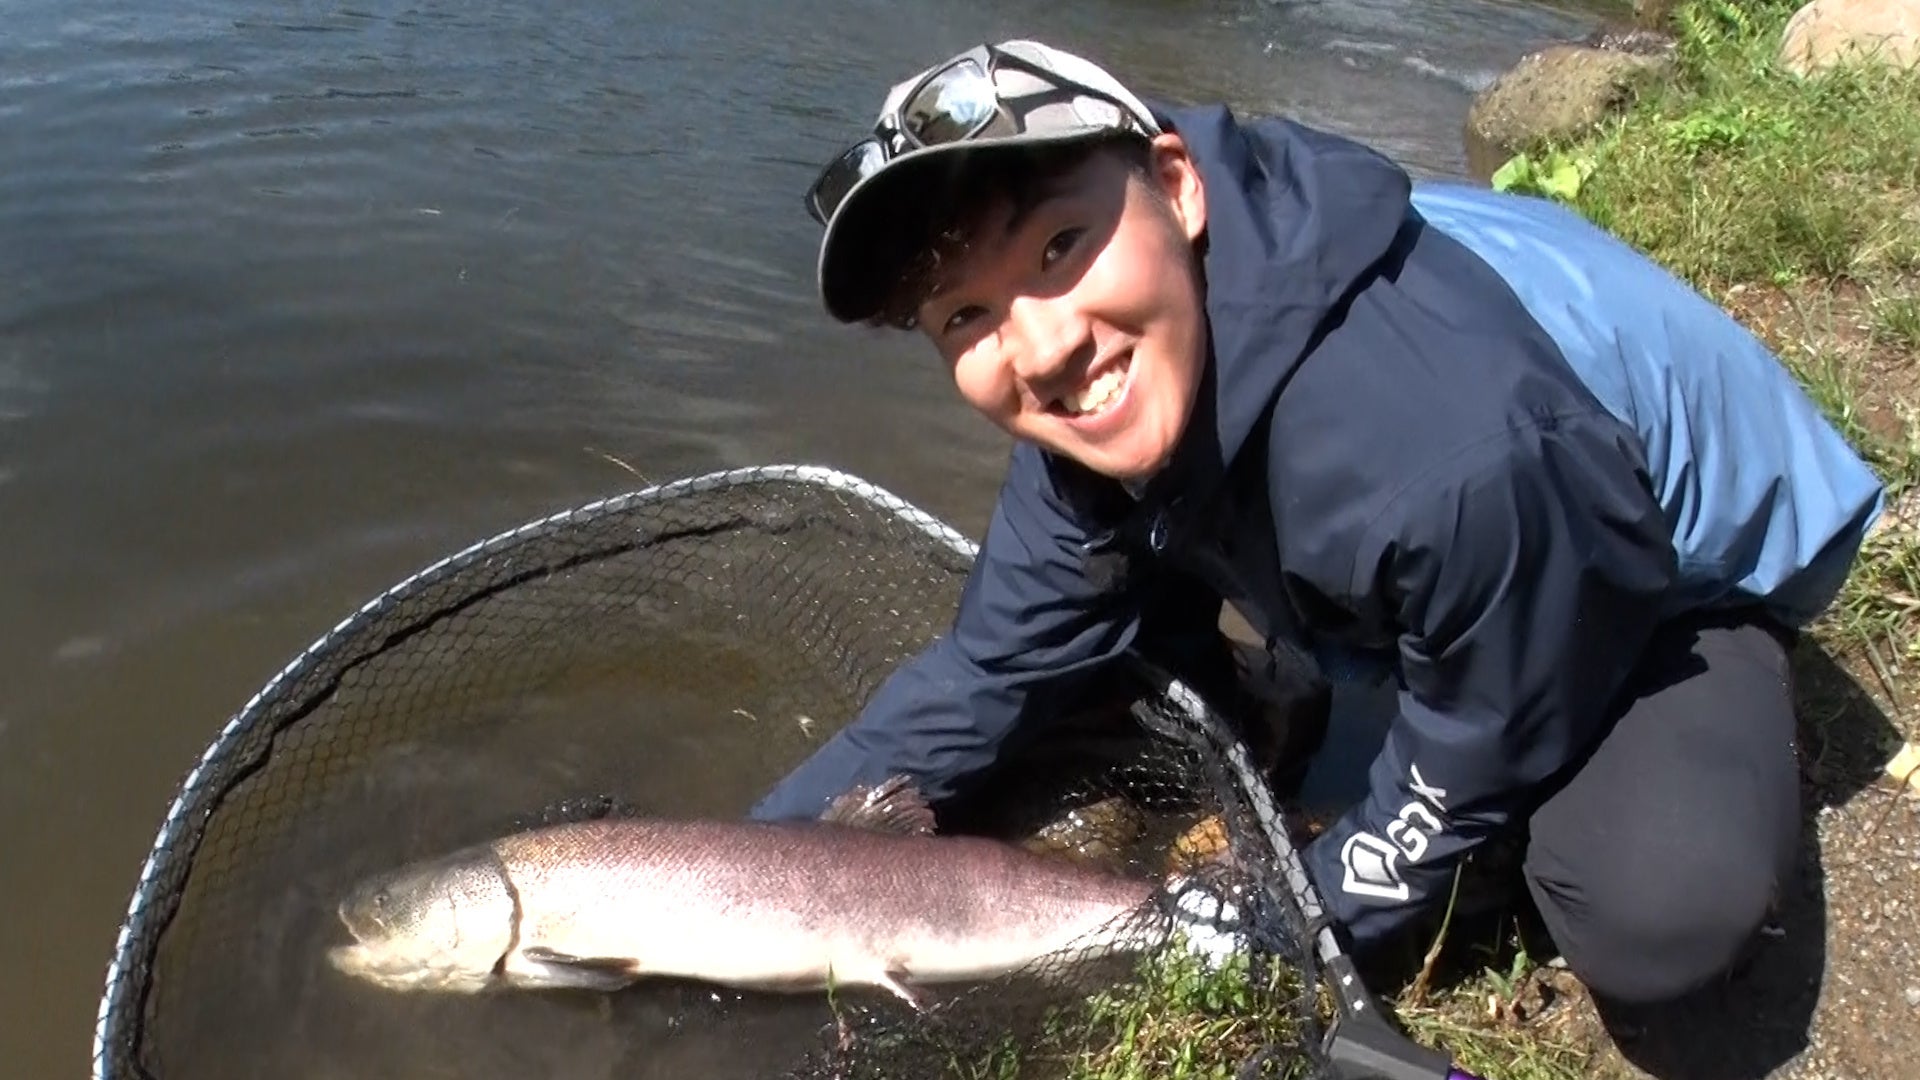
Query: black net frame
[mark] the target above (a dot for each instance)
(757, 501)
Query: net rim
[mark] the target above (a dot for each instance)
(1196, 720)
(111, 1018)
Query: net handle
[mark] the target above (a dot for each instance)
(1361, 1044)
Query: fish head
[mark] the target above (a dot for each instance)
(442, 924)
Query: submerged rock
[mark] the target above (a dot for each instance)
(1559, 92)
(1829, 32)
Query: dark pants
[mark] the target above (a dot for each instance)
(1655, 859)
(1659, 856)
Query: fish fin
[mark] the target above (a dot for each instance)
(547, 968)
(894, 805)
(897, 986)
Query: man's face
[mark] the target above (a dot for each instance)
(1079, 325)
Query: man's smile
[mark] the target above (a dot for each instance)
(1102, 392)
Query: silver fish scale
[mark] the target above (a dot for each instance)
(719, 900)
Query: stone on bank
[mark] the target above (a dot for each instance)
(1559, 93)
(1826, 33)
(1564, 91)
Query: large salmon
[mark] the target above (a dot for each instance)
(867, 896)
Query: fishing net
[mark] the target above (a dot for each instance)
(672, 653)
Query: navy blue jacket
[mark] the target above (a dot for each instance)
(1460, 434)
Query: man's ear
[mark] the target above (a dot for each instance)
(1178, 177)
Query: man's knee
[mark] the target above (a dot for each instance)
(1653, 933)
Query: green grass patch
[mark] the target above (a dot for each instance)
(1738, 171)
(1178, 1019)
(1487, 1047)
(1896, 321)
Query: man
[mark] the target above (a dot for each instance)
(1575, 509)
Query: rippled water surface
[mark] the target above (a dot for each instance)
(295, 298)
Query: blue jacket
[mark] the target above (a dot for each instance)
(1462, 434)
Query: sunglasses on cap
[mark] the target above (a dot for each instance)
(957, 101)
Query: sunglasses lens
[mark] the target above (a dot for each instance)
(955, 104)
(858, 163)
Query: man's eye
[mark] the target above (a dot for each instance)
(959, 319)
(1061, 245)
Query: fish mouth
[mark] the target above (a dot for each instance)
(350, 959)
(363, 963)
(364, 926)
(373, 965)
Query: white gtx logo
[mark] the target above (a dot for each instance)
(1373, 864)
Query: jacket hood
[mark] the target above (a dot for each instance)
(1295, 219)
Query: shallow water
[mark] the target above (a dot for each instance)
(295, 299)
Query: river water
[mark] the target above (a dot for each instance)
(295, 298)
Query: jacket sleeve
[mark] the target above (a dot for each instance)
(1525, 581)
(1034, 619)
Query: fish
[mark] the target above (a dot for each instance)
(867, 896)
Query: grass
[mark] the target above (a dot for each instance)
(1469, 1019)
(1184, 1020)
(1738, 171)
(1177, 1019)
(1897, 322)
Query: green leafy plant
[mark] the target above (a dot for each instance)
(1557, 175)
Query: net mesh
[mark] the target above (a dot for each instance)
(673, 653)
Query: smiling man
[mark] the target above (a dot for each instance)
(1424, 430)
(1073, 319)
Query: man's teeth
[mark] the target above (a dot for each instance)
(1098, 394)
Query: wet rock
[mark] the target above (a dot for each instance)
(1638, 40)
(1829, 32)
(1559, 92)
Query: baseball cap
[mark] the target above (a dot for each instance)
(1017, 93)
